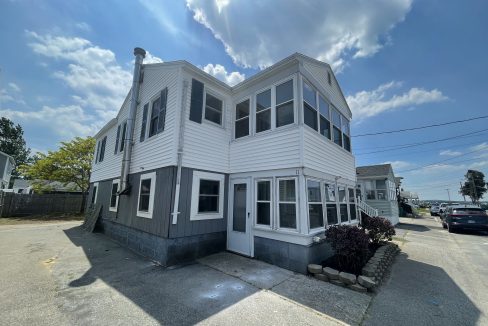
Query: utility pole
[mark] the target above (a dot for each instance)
(464, 196)
(448, 195)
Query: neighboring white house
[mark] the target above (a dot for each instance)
(22, 186)
(259, 168)
(7, 164)
(377, 185)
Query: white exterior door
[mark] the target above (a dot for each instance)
(239, 224)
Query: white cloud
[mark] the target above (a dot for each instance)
(67, 121)
(365, 104)
(479, 147)
(92, 73)
(150, 58)
(219, 71)
(14, 87)
(258, 34)
(449, 152)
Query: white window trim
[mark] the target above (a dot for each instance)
(271, 222)
(114, 209)
(96, 192)
(322, 201)
(272, 87)
(195, 194)
(278, 202)
(217, 96)
(234, 118)
(152, 177)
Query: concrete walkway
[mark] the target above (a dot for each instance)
(438, 279)
(60, 275)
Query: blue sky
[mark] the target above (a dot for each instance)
(66, 67)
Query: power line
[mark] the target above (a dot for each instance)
(424, 143)
(448, 159)
(417, 128)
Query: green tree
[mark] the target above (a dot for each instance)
(12, 143)
(474, 185)
(70, 163)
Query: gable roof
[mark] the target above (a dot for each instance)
(379, 170)
(12, 161)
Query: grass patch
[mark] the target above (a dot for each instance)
(46, 218)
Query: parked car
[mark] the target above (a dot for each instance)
(464, 218)
(442, 208)
(434, 210)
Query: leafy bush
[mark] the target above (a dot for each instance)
(351, 246)
(379, 229)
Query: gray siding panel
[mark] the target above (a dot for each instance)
(127, 210)
(3, 162)
(184, 226)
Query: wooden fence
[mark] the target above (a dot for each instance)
(12, 204)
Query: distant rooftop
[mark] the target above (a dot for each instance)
(373, 170)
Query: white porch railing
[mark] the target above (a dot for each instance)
(370, 211)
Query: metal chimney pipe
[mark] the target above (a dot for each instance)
(140, 54)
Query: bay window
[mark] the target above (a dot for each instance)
(315, 210)
(287, 206)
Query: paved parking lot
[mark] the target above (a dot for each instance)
(438, 279)
(60, 275)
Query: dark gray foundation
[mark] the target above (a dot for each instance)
(289, 255)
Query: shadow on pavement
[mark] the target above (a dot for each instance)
(412, 227)
(421, 294)
(193, 293)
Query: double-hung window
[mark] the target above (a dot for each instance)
(284, 104)
(336, 121)
(315, 210)
(309, 106)
(330, 200)
(213, 109)
(263, 111)
(207, 196)
(153, 124)
(241, 127)
(122, 139)
(147, 186)
(263, 202)
(114, 198)
(381, 191)
(287, 206)
(343, 204)
(102, 149)
(346, 134)
(352, 204)
(324, 117)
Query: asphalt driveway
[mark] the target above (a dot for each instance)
(57, 274)
(438, 279)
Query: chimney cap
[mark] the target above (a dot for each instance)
(140, 51)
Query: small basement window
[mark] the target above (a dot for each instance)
(213, 109)
(207, 196)
(147, 187)
(114, 198)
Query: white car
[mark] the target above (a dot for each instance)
(442, 208)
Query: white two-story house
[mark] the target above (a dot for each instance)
(191, 166)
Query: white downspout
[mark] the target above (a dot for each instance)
(181, 139)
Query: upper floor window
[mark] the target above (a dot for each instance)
(336, 122)
(102, 144)
(309, 106)
(346, 134)
(284, 104)
(324, 117)
(263, 111)
(122, 140)
(213, 109)
(158, 115)
(242, 119)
